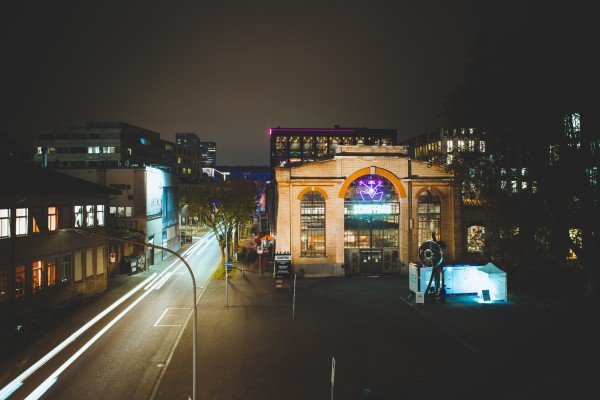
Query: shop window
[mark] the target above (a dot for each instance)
(21, 221)
(3, 284)
(52, 218)
(312, 225)
(78, 210)
(89, 215)
(20, 281)
(37, 273)
(475, 236)
(4, 223)
(51, 273)
(100, 214)
(428, 216)
(65, 270)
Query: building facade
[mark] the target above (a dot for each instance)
(103, 144)
(365, 210)
(44, 269)
(300, 145)
(147, 208)
(203, 152)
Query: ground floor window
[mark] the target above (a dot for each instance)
(20, 281)
(3, 284)
(65, 270)
(312, 225)
(37, 271)
(428, 216)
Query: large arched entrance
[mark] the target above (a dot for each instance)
(371, 226)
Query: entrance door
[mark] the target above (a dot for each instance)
(371, 262)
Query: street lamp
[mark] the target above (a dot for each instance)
(153, 246)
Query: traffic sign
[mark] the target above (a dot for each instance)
(259, 250)
(229, 264)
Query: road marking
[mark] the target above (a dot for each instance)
(43, 388)
(173, 315)
(18, 381)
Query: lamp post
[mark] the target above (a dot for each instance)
(153, 246)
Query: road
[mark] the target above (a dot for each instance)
(121, 355)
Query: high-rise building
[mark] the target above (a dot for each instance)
(300, 145)
(204, 152)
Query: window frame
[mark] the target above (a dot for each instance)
(313, 211)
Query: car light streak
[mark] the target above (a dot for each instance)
(40, 390)
(18, 381)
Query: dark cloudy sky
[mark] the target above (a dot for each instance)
(229, 70)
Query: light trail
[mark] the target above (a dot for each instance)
(18, 381)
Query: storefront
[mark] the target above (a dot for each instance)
(364, 211)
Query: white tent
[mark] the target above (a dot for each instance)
(493, 279)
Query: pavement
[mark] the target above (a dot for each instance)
(384, 347)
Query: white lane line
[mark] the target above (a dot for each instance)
(18, 381)
(40, 390)
(163, 314)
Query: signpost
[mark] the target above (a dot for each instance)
(332, 375)
(259, 251)
(283, 271)
(227, 265)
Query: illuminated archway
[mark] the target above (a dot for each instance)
(374, 171)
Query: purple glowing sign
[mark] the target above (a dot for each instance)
(370, 190)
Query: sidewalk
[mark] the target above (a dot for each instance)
(118, 286)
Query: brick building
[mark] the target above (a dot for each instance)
(43, 270)
(365, 210)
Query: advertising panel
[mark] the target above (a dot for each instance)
(154, 191)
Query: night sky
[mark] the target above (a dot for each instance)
(230, 70)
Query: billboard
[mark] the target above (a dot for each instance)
(154, 191)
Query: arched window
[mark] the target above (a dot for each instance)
(428, 216)
(475, 236)
(312, 225)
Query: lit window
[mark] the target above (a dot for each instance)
(428, 212)
(576, 241)
(178, 160)
(108, 149)
(89, 215)
(129, 151)
(513, 186)
(471, 145)
(592, 174)
(21, 223)
(449, 159)
(482, 146)
(128, 211)
(523, 171)
(52, 218)
(113, 211)
(20, 281)
(460, 145)
(51, 273)
(4, 222)
(143, 140)
(312, 225)
(524, 185)
(449, 146)
(100, 214)
(78, 216)
(475, 236)
(37, 270)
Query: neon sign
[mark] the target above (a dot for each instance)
(372, 208)
(371, 190)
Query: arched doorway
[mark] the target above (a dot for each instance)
(371, 226)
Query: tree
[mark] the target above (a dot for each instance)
(539, 178)
(221, 205)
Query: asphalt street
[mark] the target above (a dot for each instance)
(384, 347)
(120, 356)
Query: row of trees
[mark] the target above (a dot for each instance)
(531, 90)
(221, 206)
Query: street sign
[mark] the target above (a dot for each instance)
(229, 264)
(259, 250)
(332, 371)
